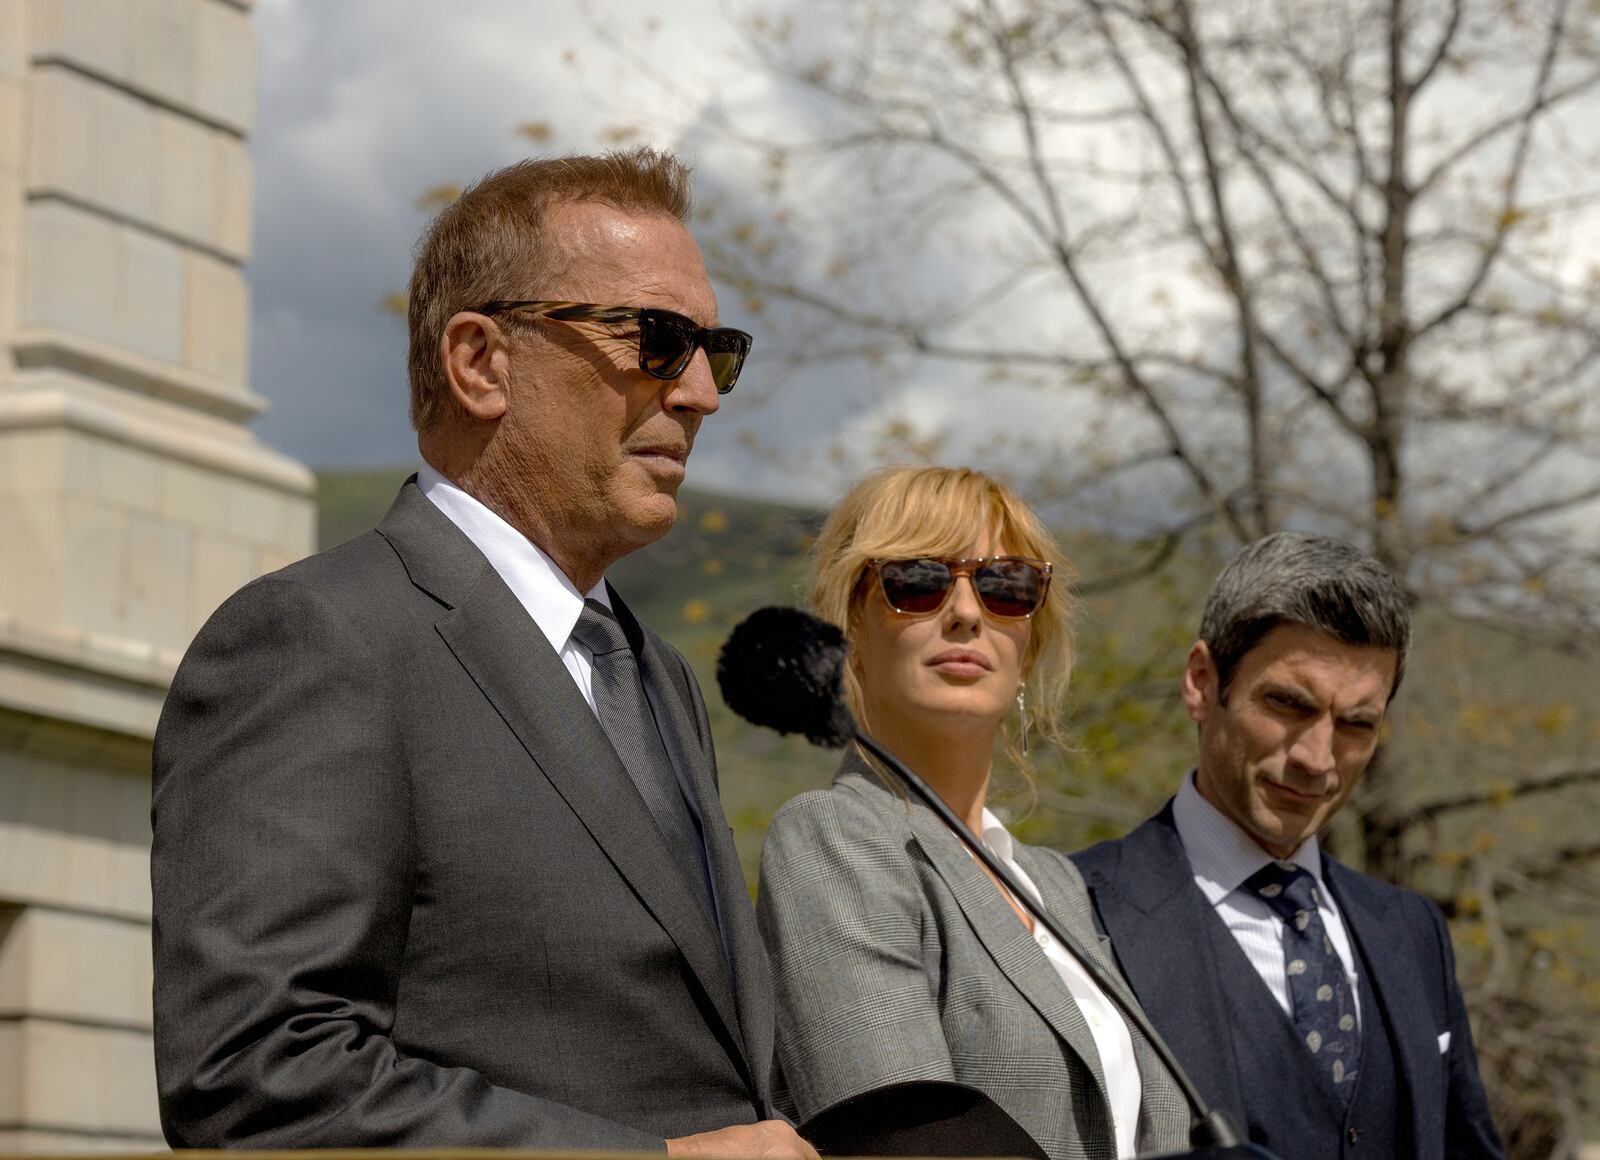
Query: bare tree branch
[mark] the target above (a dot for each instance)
(1533, 511)
(1512, 181)
(1548, 782)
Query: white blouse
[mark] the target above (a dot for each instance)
(1111, 1037)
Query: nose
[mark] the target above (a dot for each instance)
(964, 607)
(694, 391)
(1313, 748)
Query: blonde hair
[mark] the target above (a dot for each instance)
(907, 512)
(492, 243)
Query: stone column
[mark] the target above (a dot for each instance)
(133, 500)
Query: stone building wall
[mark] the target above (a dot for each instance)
(133, 500)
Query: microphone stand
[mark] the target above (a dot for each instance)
(1210, 1129)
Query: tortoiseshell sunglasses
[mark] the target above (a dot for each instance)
(1010, 587)
(667, 339)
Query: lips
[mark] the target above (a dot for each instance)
(1295, 795)
(664, 462)
(963, 662)
(677, 454)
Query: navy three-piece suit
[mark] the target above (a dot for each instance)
(1418, 1095)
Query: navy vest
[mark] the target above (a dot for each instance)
(1290, 1109)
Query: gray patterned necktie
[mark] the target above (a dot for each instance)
(1324, 1008)
(627, 720)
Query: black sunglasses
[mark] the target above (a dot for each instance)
(667, 339)
(1009, 587)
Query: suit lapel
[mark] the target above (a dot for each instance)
(1157, 1082)
(1392, 993)
(691, 756)
(1153, 1074)
(1007, 940)
(513, 665)
(1055, 888)
(688, 755)
(1156, 917)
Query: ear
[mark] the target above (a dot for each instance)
(477, 365)
(1200, 682)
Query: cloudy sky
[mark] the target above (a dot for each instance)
(366, 104)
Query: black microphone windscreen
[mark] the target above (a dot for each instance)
(781, 668)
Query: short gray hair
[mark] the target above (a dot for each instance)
(1314, 581)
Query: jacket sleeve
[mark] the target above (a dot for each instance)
(842, 914)
(1469, 1129)
(281, 875)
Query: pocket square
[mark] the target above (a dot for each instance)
(1444, 1042)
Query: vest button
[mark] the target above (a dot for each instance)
(1352, 1135)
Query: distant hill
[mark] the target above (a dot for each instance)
(350, 502)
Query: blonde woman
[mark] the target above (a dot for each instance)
(895, 955)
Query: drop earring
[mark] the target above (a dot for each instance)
(1022, 717)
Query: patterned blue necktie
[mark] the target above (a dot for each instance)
(1324, 1008)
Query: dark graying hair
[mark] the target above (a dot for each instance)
(1315, 581)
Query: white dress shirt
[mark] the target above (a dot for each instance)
(1222, 856)
(1111, 1037)
(543, 589)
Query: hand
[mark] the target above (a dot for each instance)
(768, 1140)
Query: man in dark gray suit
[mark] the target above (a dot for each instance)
(1318, 1006)
(439, 858)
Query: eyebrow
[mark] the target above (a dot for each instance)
(1360, 714)
(1288, 692)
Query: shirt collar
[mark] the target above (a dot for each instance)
(1004, 847)
(997, 837)
(1220, 853)
(541, 587)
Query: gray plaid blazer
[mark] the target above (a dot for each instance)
(894, 958)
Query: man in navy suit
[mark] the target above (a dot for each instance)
(1317, 1006)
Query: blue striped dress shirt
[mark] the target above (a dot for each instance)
(1222, 856)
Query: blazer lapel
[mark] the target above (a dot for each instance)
(513, 665)
(1157, 1081)
(747, 960)
(1007, 940)
(689, 755)
(1155, 915)
(689, 759)
(1394, 988)
(1053, 884)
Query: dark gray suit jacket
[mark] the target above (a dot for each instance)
(405, 893)
(895, 958)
